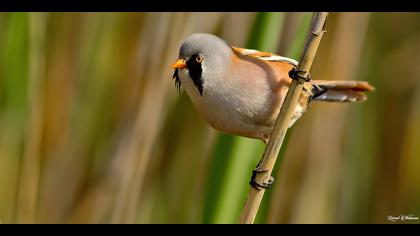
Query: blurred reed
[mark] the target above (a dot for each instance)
(93, 131)
(31, 157)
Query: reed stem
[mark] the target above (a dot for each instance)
(272, 149)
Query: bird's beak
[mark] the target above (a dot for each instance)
(179, 64)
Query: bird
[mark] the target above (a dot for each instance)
(240, 91)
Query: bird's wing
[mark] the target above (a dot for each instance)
(266, 56)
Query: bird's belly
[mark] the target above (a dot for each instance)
(230, 114)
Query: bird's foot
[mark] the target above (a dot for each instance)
(254, 183)
(296, 75)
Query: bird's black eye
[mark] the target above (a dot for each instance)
(199, 59)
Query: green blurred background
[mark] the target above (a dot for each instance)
(92, 129)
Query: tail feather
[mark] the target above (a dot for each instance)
(339, 91)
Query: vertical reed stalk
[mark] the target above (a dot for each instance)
(30, 170)
(269, 158)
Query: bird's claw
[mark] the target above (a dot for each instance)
(295, 74)
(257, 185)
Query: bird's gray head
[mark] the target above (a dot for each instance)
(205, 56)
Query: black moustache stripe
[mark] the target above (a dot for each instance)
(195, 72)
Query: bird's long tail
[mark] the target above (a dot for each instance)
(339, 91)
